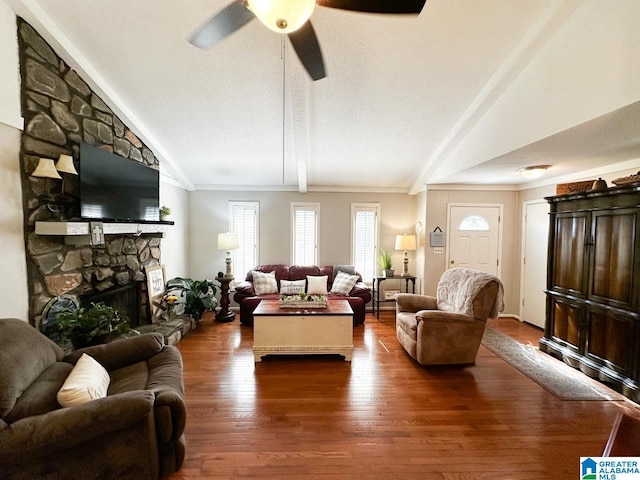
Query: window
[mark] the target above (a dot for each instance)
(364, 238)
(304, 219)
(474, 222)
(243, 220)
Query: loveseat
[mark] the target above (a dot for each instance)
(134, 432)
(248, 300)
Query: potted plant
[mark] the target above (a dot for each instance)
(386, 264)
(164, 212)
(91, 326)
(199, 295)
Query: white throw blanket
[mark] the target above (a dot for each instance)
(459, 286)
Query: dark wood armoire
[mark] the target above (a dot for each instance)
(593, 282)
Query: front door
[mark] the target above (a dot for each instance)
(474, 237)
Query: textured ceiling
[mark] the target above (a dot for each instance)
(401, 96)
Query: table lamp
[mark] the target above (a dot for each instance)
(228, 241)
(405, 242)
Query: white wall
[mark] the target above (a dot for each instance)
(13, 267)
(435, 265)
(175, 244)
(209, 211)
(590, 67)
(9, 69)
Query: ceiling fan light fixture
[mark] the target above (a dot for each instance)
(282, 15)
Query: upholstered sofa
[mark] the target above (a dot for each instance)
(447, 329)
(248, 300)
(135, 432)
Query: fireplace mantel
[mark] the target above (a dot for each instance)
(79, 228)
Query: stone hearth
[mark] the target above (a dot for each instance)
(60, 111)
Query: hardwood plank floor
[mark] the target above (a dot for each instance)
(382, 416)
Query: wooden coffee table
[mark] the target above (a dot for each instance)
(286, 331)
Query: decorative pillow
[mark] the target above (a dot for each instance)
(350, 269)
(317, 285)
(343, 283)
(264, 283)
(87, 381)
(292, 287)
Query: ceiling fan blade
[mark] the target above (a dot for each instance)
(306, 45)
(376, 6)
(218, 27)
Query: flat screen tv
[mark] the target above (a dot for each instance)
(114, 188)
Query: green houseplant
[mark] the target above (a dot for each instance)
(199, 295)
(88, 326)
(164, 212)
(386, 264)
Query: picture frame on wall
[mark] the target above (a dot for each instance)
(156, 289)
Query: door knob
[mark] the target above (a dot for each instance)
(452, 262)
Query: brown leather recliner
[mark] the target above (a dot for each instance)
(447, 329)
(135, 432)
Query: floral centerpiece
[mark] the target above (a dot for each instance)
(302, 300)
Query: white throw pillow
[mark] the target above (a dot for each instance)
(343, 283)
(292, 287)
(317, 285)
(87, 381)
(264, 283)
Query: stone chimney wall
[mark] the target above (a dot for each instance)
(60, 111)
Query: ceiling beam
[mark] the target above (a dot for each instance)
(300, 101)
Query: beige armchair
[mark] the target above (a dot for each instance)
(447, 329)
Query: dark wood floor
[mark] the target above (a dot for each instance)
(380, 417)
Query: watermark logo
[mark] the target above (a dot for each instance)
(609, 468)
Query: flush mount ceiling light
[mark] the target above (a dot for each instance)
(533, 172)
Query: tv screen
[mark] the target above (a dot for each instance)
(117, 188)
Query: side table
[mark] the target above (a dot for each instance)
(375, 294)
(224, 315)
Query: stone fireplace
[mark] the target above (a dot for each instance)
(61, 111)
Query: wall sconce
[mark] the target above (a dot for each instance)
(228, 241)
(405, 242)
(65, 165)
(534, 172)
(46, 169)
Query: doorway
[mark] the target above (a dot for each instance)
(535, 234)
(475, 237)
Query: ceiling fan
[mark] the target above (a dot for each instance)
(292, 17)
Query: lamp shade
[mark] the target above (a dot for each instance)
(65, 165)
(228, 241)
(46, 169)
(405, 242)
(282, 15)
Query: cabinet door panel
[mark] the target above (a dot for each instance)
(566, 322)
(614, 238)
(570, 254)
(611, 340)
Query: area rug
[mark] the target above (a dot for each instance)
(561, 380)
